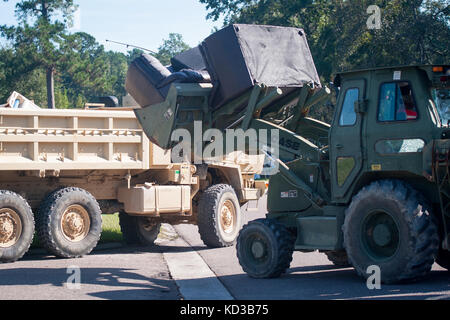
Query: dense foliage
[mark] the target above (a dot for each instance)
(411, 32)
(40, 52)
(45, 62)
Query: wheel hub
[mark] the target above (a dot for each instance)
(6, 227)
(258, 249)
(10, 227)
(75, 223)
(382, 235)
(227, 216)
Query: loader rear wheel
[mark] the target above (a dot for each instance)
(443, 258)
(16, 226)
(264, 248)
(219, 216)
(389, 224)
(138, 230)
(69, 223)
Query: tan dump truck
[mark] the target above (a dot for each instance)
(61, 169)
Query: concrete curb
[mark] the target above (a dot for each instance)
(194, 278)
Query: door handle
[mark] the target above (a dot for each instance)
(339, 146)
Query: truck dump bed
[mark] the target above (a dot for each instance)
(72, 140)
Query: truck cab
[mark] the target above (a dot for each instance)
(385, 121)
(378, 194)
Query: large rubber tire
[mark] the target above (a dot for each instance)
(65, 210)
(443, 258)
(389, 224)
(264, 248)
(338, 257)
(219, 216)
(16, 226)
(138, 230)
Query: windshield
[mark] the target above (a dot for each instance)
(441, 98)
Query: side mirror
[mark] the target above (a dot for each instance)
(336, 88)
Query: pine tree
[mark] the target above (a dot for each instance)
(39, 43)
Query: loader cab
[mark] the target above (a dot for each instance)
(383, 120)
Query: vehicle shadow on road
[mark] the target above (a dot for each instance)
(118, 248)
(315, 282)
(324, 282)
(92, 279)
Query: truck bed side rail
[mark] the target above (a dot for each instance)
(71, 140)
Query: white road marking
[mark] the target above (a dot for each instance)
(193, 276)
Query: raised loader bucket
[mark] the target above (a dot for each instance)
(251, 67)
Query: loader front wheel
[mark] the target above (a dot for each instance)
(16, 226)
(219, 216)
(69, 223)
(338, 257)
(443, 258)
(264, 248)
(138, 230)
(389, 225)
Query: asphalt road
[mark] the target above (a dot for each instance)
(118, 274)
(310, 276)
(181, 268)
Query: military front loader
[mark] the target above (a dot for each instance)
(371, 188)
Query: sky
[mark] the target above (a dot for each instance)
(143, 23)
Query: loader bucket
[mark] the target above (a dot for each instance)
(249, 68)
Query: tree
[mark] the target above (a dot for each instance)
(117, 72)
(17, 73)
(133, 54)
(39, 43)
(87, 71)
(412, 32)
(171, 47)
(76, 67)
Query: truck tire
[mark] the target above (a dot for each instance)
(69, 223)
(389, 224)
(219, 217)
(264, 248)
(138, 230)
(16, 226)
(338, 257)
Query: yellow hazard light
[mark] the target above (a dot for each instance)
(438, 69)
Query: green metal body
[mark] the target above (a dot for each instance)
(355, 158)
(323, 166)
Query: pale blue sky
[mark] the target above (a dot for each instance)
(144, 23)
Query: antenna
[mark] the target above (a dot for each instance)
(130, 45)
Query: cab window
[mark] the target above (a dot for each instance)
(348, 114)
(396, 102)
